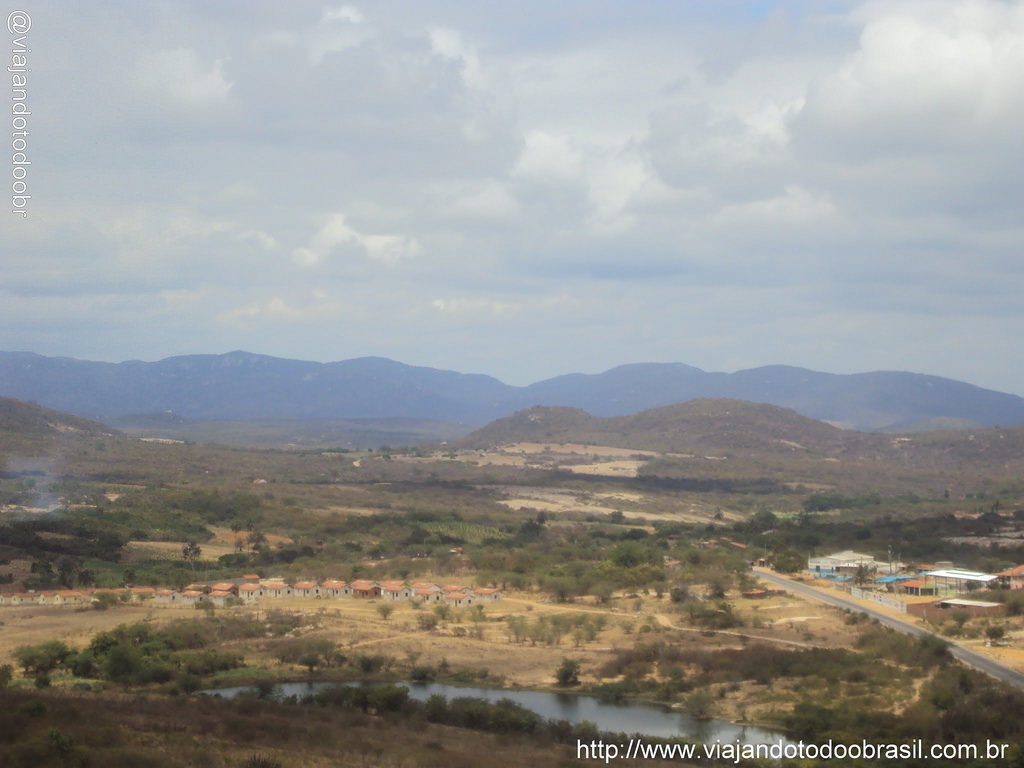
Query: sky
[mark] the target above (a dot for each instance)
(521, 189)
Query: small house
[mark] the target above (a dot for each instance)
(306, 589)
(365, 589)
(395, 590)
(336, 588)
(250, 593)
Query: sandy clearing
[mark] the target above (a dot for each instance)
(136, 551)
(576, 449)
(608, 468)
(619, 496)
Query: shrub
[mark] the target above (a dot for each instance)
(33, 708)
(261, 761)
(568, 673)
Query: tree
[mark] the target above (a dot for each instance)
(124, 664)
(568, 673)
(190, 552)
(257, 540)
(66, 568)
(310, 660)
(6, 673)
(442, 612)
(863, 574)
(698, 705)
(42, 658)
(385, 610)
(763, 521)
(788, 561)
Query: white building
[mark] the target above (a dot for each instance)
(845, 563)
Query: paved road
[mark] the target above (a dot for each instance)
(966, 655)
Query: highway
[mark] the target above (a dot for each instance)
(966, 655)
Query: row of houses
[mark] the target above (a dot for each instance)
(254, 591)
(74, 596)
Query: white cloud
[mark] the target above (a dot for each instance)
(490, 200)
(347, 13)
(548, 157)
(276, 310)
(448, 44)
(926, 75)
(182, 76)
(388, 249)
(797, 206)
(261, 237)
(339, 28)
(473, 306)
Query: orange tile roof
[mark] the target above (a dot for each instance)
(249, 588)
(305, 585)
(192, 593)
(1016, 571)
(334, 584)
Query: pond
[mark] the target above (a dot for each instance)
(632, 717)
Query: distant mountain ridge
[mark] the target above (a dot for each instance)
(241, 385)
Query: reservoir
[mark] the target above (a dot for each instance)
(630, 718)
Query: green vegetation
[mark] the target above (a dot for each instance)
(568, 673)
(138, 654)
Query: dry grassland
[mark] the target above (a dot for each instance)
(357, 628)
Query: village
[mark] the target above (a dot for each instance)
(932, 591)
(251, 589)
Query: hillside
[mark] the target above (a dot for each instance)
(245, 386)
(698, 425)
(765, 440)
(28, 419)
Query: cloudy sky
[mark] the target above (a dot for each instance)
(526, 189)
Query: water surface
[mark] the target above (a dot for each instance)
(631, 717)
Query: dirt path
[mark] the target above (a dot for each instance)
(667, 623)
(379, 640)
